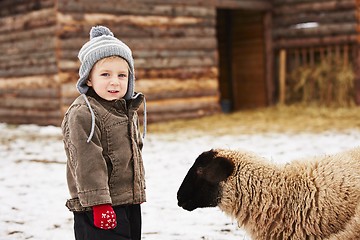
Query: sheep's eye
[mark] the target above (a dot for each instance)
(200, 171)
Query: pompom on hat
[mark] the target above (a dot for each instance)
(103, 44)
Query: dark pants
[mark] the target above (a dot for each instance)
(128, 225)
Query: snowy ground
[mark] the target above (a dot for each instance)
(33, 188)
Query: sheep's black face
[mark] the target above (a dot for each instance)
(200, 187)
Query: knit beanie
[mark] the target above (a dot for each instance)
(103, 44)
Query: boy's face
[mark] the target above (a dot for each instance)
(109, 78)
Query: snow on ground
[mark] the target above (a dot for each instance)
(33, 186)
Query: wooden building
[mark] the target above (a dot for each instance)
(192, 57)
(177, 47)
(313, 36)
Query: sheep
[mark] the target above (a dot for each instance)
(315, 198)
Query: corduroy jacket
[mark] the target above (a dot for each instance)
(108, 169)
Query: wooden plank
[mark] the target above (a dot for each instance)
(282, 77)
(321, 30)
(315, 41)
(357, 74)
(269, 56)
(331, 5)
(345, 16)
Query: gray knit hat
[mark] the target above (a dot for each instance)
(103, 44)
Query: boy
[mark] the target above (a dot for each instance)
(102, 141)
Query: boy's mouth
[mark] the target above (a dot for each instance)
(113, 91)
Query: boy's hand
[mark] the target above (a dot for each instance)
(104, 216)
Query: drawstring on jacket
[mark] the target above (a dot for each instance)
(93, 117)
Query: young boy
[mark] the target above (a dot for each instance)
(102, 141)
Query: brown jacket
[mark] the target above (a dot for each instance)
(109, 169)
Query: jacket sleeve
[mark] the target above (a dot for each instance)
(87, 163)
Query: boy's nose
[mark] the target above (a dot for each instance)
(114, 81)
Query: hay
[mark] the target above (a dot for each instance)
(290, 119)
(327, 83)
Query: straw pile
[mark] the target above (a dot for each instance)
(290, 119)
(328, 83)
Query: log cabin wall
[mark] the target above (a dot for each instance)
(29, 89)
(173, 41)
(173, 44)
(309, 32)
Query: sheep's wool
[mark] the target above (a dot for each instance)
(316, 198)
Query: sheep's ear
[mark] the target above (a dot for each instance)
(217, 170)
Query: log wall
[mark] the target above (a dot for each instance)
(173, 41)
(337, 23)
(173, 44)
(29, 89)
(334, 34)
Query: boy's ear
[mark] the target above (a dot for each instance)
(88, 82)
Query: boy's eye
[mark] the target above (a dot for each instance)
(122, 75)
(105, 74)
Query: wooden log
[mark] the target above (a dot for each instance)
(76, 31)
(162, 117)
(30, 82)
(179, 73)
(45, 43)
(244, 4)
(31, 93)
(124, 7)
(29, 71)
(322, 6)
(28, 113)
(30, 20)
(314, 41)
(283, 2)
(14, 62)
(22, 116)
(33, 34)
(11, 7)
(42, 121)
(321, 30)
(30, 103)
(345, 16)
(182, 104)
(133, 20)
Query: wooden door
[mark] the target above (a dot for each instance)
(242, 58)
